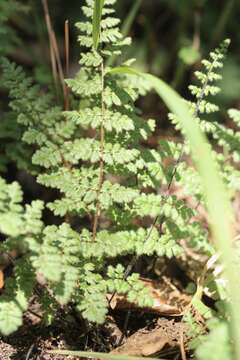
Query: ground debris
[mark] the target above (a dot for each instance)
(112, 331)
(167, 299)
(149, 342)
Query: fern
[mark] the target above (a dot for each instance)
(226, 138)
(110, 184)
(18, 224)
(81, 169)
(8, 37)
(29, 108)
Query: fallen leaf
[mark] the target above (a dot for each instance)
(143, 343)
(167, 300)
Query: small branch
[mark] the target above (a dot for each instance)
(54, 50)
(101, 164)
(183, 353)
(30, 351)
(66, 37)
(52, 55)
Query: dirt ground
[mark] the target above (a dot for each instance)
(158, 331)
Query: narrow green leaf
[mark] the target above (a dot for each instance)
(97, 355)
(123, 70)
(97, 16)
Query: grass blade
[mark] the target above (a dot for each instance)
(97, 16)
(123, 70)
(97, 355)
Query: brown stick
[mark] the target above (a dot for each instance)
(52, 56)
(183, 353)
(54, 46)
(66, 37)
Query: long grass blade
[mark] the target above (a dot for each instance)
(97, 355)
(97, 16)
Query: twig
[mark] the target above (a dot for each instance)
(31, 349)
(30, 352)
(52, 55)
(58, 59)
(35, 314)
(66, 37)
(125, 326)
(54, 46)
(182, 348)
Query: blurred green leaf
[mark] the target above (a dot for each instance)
(123, 70)
(189, 55)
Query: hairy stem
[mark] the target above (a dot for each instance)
(101, 162)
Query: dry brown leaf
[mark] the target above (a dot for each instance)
(167, 334)
(144, 343)
(167, 300)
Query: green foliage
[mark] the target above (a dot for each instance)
(18, 224)
(211, 349)
(29, 108)
(110, 185)
(214, 192)
(225, 138)
(8, 37)
(10, 133)
(80, 168)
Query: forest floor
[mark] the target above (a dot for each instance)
(159, 331)
(129, 330)
(156, 331)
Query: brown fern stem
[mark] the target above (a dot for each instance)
(101, 161)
